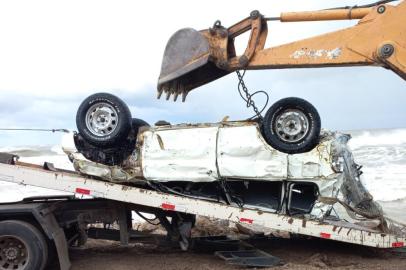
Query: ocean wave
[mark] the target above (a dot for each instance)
(33, 151)
(382, 137)
(382, 153)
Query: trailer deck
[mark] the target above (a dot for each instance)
(28, 174)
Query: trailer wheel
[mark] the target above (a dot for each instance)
(103, 119)
(22, 246)
(292, 125)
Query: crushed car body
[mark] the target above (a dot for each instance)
(231, 163)
(230, 150)
(282, 163)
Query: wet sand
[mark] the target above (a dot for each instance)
(296, 254)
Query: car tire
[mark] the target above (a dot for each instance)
(27, 250)
(292, 125)
(103, 120)
(136, 123)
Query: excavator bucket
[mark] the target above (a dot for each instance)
(186, 64)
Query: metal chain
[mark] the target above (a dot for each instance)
(248, 97)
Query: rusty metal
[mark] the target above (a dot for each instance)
(186, 62)
(193, 58)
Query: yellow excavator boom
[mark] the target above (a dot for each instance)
(193, 58)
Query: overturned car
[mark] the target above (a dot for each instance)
(299, 171)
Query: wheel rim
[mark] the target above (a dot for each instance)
(13, 253)
(101, 119)
(291, 126)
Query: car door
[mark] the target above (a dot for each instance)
(180, 153)
(242, 153)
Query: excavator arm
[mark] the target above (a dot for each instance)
(193, 58)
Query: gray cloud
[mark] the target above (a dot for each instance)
(347, 98)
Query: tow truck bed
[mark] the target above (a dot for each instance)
(28, 174)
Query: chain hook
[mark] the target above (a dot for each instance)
(217, 24)
(248, 97)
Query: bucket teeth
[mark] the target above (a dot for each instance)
(175, 96)
(180, 89)
(175, 88)
(184, 95)
(160, 91)
(168, 94)
(189, 62)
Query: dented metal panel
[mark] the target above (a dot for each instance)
(180, 154)
(316, 163)
(243, 153)
(207, 152)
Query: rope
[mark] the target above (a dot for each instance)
(36, 129)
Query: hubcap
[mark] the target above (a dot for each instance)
(101, 119)
(13, 253)
(291, 126)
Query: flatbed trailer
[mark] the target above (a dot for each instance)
(118, 200)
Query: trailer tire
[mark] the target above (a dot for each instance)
(292, 125)
(23, 245)
(103, 120)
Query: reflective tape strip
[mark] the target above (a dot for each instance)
(325, 235)
(168, 206)
(246, 220)
(82, 191)
(398, 244)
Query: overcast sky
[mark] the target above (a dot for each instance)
(55, 53)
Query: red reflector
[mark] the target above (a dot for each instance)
(246, 220)
(168, 206)
(398, 244)
(325, 235)
(82, 191)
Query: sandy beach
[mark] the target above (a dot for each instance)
(297, 254)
